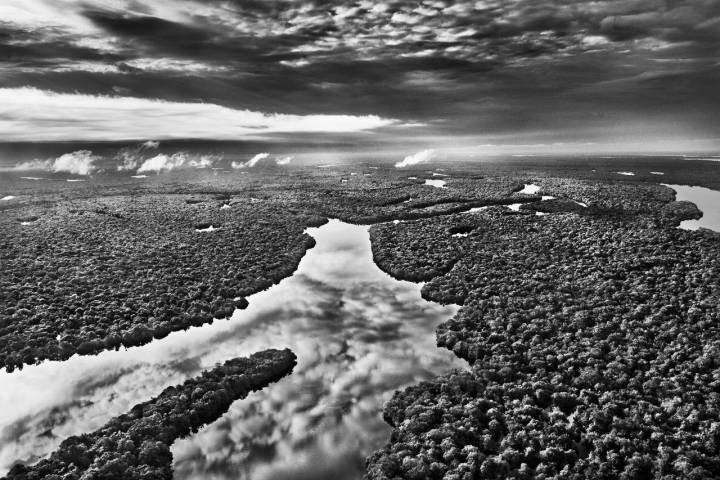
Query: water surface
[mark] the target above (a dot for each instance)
(530, 189)
(359, 335)
(707, 200)
(435, 183)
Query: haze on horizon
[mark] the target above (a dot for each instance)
(471, 77)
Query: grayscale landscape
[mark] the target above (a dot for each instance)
(359, 240)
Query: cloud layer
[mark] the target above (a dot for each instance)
(29, 114)
(580, 71)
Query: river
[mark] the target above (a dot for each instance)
(358, 333)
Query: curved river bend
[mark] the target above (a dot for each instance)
(358, 333)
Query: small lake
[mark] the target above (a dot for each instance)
(435, 183)
(530, 189)
(706, 199)
(359, 335)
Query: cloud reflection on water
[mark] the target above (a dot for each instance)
(359, 335)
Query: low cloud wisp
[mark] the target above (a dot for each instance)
(163, 162)
(262, 160)
(420, 157)
(130, 157)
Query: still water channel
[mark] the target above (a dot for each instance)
(359, 335)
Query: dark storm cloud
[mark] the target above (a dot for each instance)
(158, 29)
(457, 66)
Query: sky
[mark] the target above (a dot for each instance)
(474, 76)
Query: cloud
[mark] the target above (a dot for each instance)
(130, 156)
(419, 157)
(300, 62)
(34, 165)
(30, 114)
(262, 160)
(163, 162)
(173, 65)
(203, 161)
(458, 67)
(128, 160)
(80, 162)
(253, 161)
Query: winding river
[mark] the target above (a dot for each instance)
(358, 333)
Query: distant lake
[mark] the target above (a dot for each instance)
(707, 200)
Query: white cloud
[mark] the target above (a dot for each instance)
(68, 15)
(301, 62)
(203, 161)
(78, 163)
(81, 66)
(594, 40)
(306, 49)
(33, 165)
(254, 161)
(130, 157)
(44, 13)
(401, 17)
(162, 162)
(165, 162)
(262, 159)
(422, 53)
(128, 160)
(30, 114)
(420, 157)
(174, 65)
